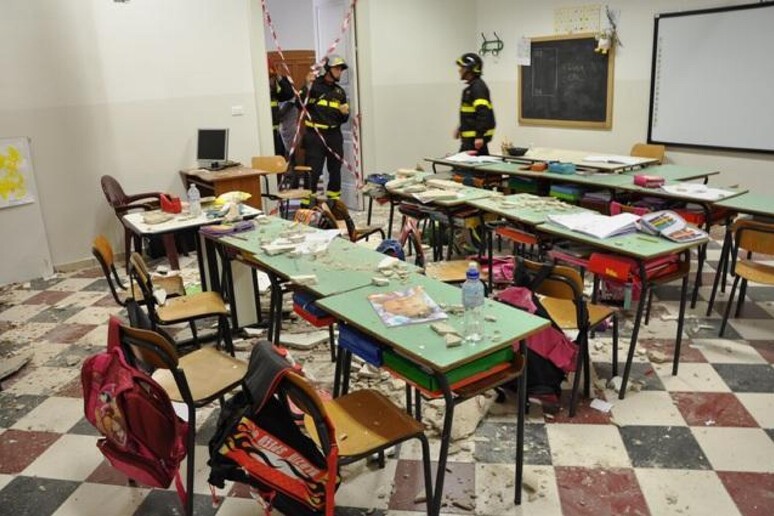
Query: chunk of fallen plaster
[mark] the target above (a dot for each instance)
(380, 282)
(452, 340)
(443, 328)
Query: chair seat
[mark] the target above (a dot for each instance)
(366, 421)
(755, 272)
(191, 307)
(172, 285)
(209, 373)
(365, 231)
(451, 271)
(290, 195)
(562, 311)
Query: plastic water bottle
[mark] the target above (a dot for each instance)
(194, 201)
(473, 303)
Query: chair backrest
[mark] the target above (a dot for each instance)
(648, 150)
(562, 282)
(103, 252)
(754, 236)
(150, 348)
(275, 164)
(114, 194)
(138, 271)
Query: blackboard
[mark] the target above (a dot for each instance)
(567, 83)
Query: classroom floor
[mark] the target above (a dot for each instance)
(698, 443)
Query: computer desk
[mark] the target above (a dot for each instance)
(237, 178)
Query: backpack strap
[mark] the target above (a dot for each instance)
(264, 373)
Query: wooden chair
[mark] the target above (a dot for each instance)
(103, 252)
(562, 297)
(649, 150)
(751, 237)
(365, 422)
(195, 379)
(188, 308)
(123, 204)
(337, 215)
(278, 166)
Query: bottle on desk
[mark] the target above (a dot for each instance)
(473, 304)
(194, 201)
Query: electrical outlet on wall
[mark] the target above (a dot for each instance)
(237, 110)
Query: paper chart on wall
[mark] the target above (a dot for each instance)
(15, 173)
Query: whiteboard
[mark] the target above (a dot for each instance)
(24, 252)
(713, 78)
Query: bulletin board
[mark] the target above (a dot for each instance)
(567, 83)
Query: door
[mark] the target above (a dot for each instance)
(328, 18)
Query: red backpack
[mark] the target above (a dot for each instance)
(143, 437)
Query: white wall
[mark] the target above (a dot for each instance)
(409, 85)
(120, 89)
(513, 19)
(293, 22)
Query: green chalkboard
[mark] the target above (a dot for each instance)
(567, 83)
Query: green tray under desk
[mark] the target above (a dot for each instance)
(415, 374)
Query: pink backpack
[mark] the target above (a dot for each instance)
(143, 437)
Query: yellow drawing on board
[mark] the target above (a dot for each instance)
(13, 185)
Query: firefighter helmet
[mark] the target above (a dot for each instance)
(334, 61)
(471, 62)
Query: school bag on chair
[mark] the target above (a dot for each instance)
(552, 355)
(142, 436)
(258, 442)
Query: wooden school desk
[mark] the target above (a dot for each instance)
(238, 178)
(423, 354)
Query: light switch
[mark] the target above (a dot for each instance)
(237, 110)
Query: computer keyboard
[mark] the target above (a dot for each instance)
(224, 165)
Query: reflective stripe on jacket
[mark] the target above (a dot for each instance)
(477, 118)
(325, 101)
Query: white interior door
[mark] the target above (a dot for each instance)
(328, 17)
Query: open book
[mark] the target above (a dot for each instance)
(596, 225)
(670, 225)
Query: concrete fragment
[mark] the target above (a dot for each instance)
(452, 340)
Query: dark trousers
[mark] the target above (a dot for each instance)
(467, 144)
(317, 156)
(279, 145)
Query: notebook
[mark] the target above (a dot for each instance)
(596, 225)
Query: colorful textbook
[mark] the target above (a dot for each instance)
(670, 225)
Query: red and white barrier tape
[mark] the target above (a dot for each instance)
(303, 102)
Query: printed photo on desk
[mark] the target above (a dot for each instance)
(410, 306)
(670, 225)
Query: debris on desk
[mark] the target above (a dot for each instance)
(490, 318)
(452, 340)
(274, 249)
(442, 328)
(380, 282)
(304, 279)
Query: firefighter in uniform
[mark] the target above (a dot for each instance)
(477, 121)
(328, 110)
(280, 90)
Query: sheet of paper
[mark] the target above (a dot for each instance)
(697, 191)
(613, 159)
(464, 157)
(524, 52)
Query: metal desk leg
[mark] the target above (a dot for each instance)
(257, 293)
(391, 218)
(635, 331)
(229, 286)
(443, 455)
(522, 414)
(680, 321)
(722, 267)
(212, 267)
(490, 251)
(702, 256)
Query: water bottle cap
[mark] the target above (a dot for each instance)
(472, 272)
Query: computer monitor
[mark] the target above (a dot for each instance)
(212, 147)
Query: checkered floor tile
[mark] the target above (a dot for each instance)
(701, 442)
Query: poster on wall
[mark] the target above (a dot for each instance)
(16, 173)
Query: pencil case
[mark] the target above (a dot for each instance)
(561, 168)
(360, 344)
(648, 181)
